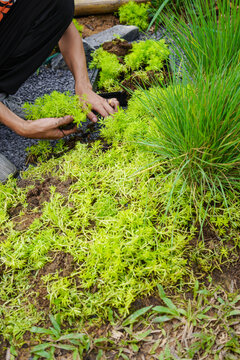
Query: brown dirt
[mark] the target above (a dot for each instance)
(135, 81)
(24, 221)
(229, 276)
(96, 23)
(3, 348)
(61, 262)
(36, 197)
(117, 47)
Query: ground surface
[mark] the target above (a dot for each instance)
(228, 276)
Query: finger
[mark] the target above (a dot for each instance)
(71, 131)
(92, 117)
(114, 103)
(103, 108)
(64, 120)
(108, 108)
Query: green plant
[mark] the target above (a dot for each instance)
(110, 68)
(107, 216)
(208, 37)
(149, 54)
(158, 6)
(56, 340)
(43, 150)
(198, 135)
(134, 14)
(57, 105)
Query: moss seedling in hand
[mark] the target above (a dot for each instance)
(57, 105)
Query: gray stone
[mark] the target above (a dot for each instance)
(126, 32)
(6, 168)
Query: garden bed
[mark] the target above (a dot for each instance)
(130, 240)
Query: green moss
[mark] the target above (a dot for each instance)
(110, 224)
(110, 69)
(149, 55)
(134, 14)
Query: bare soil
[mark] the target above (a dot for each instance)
(96, 23)
(36, 196)
(117, 47)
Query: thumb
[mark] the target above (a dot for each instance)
(65, 120)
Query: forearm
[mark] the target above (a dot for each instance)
(72, 49)
(14, 122)
(38, 129)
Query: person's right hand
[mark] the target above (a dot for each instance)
(46, 128)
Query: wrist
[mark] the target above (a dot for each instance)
(83, 87)
(23, 127)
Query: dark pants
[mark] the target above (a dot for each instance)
(29, 32)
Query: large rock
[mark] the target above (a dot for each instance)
(6, 168)
(126, 32)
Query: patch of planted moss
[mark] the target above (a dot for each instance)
(113, 221)
(143, 57)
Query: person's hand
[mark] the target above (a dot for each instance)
(102, 106)
(46, 128)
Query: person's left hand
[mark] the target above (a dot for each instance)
(100, 105)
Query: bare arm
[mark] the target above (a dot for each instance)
(37, 129)
(71, 47)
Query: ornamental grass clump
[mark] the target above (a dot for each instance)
(57, 105)
(198, 132)
(208, 37)
(134, 14)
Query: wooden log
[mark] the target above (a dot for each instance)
(92, 7)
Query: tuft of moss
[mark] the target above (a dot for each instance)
(149, 55)
(110, 68)
(134, 14)
(57, 105)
